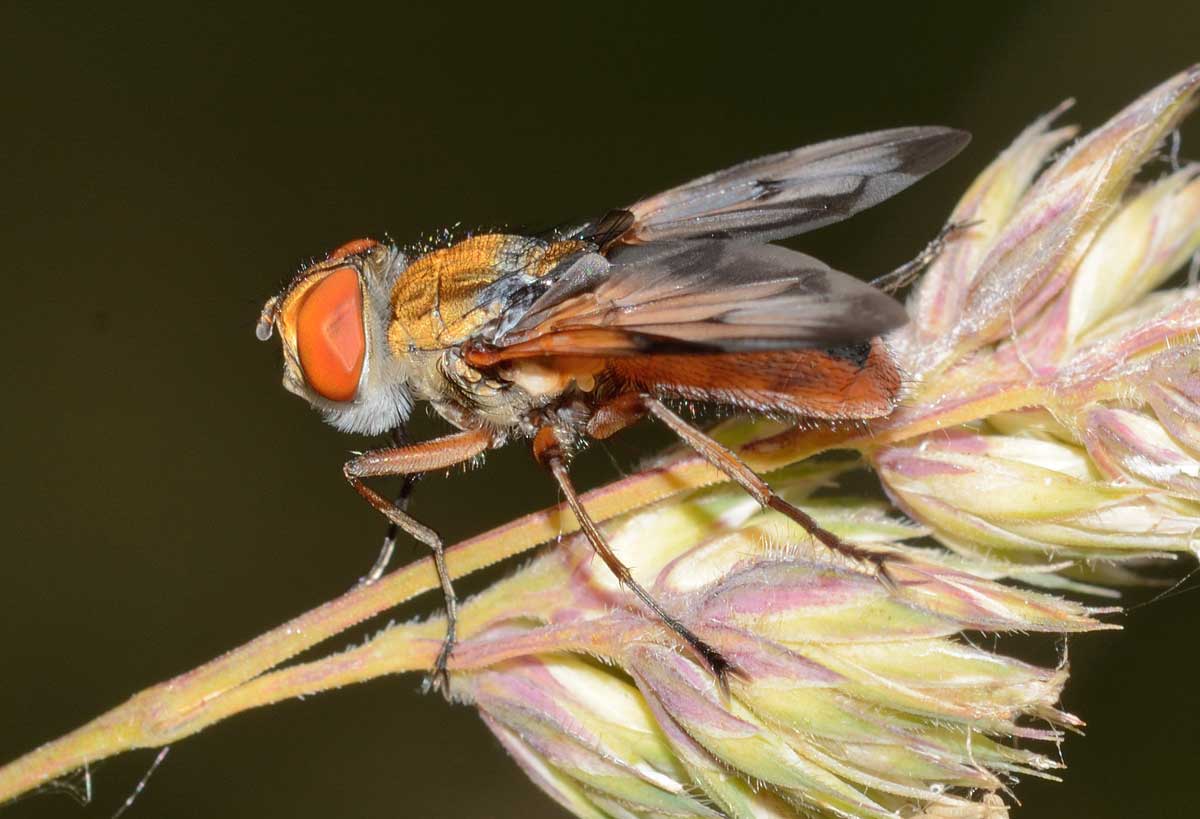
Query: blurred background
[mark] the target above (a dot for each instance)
(165, 168)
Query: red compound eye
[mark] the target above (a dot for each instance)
(330, 337)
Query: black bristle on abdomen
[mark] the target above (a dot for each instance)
(856, 353)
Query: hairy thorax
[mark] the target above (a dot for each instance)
(515, 399)
(447, 297)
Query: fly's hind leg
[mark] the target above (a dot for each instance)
(729, 463)
(408, 460)
(548, 450)
(906, 273)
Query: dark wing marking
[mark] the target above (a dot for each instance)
(788, 193)
(608, 228)
(694, 297)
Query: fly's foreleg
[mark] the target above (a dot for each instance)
(440, 453)
(400, 501)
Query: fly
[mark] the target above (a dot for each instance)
(578, 334)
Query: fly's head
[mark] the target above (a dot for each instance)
(332, 323)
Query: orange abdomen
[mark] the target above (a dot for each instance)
(852, 382)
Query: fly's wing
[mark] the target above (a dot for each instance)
(705, 296)
(784, 194)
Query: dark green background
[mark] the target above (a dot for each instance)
(163, 169)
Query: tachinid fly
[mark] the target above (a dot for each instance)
(580, 333)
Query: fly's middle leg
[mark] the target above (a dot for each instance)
(549, 452)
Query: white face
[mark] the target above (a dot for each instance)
(332, 322)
